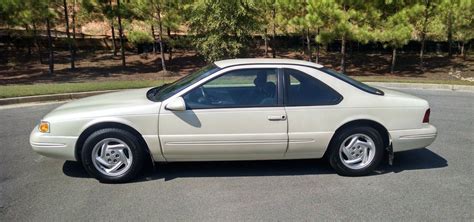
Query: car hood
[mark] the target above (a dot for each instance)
(127, 102)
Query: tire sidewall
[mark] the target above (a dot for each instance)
(125, 136)
(336, 161)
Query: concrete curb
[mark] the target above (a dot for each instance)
(52, 97)
(423, 86)
(69, 96)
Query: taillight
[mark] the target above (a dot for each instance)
(426, 118)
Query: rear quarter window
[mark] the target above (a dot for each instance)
(353, 82)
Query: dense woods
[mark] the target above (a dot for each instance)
(221, 29)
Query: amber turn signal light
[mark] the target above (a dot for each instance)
(44, 127)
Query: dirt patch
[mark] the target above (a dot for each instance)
(21, 68)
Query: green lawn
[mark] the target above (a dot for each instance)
(43, 89)
(402, 80)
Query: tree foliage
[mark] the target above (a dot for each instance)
(222, 27)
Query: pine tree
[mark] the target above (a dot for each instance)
(222, 27)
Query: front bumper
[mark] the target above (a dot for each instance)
(413, 138)
(59, 147)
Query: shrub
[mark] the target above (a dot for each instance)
(137, 38)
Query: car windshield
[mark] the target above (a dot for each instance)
(353, 82)
(168, 90)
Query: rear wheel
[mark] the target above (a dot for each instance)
(112, 155)
(356, 151)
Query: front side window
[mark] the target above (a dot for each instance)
(169, 90)
(237, 88)
(305, 90)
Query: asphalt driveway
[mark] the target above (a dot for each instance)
(433, 183)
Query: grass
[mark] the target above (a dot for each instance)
(44, 89)
(9, 91)
(405, 80)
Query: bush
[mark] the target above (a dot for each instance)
(137, 38)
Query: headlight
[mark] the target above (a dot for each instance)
(44, 127)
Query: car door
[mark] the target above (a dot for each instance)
(234, 116)
(312, 110)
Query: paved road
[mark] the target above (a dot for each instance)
(424, 184)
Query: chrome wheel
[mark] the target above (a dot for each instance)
(357, 151)
(112, 157)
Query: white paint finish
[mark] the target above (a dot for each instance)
(60, 147)
(256, 61)
(129, 107)
(413, 138)
(239, 134)
(176, 105)
(395, 111)
(223, 134)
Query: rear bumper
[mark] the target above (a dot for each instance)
(59, 147)
(413, 138)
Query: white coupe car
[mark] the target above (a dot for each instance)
(240, 109)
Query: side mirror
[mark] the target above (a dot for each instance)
(177, 104)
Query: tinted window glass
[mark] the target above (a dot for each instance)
(353, 82)
(305, 90)
(238, 88)
(168, 90)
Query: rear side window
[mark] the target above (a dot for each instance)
(305, 90)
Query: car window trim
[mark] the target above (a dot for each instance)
(278, 104)
(378, 92)
(287, 84)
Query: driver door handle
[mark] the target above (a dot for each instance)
(277, 118)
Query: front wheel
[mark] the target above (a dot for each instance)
(112, 155)
(356, 151)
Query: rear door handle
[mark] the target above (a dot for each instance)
(277, 118)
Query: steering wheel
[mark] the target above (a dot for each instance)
(203, 93)
(202, 98)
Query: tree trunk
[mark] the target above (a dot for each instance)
(122, 44)
(66, 18)
(308, 42)
(422, 50)
(170, 48)
(265, 40)
(114, 46)
(450, 34)
(423, 32)
(35, 40)
(394, 58)
(162, 54)
(50, 46)
(154, 38)
(343, 54)
(74, 46)
(303, 42)
(317, 49)
(273, 32)
(8, 48)
(28, 41)
(462, 50)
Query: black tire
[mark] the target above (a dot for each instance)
(139, 156)
(335, 160)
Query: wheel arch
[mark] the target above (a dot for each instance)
(362, 122)
(108, 124)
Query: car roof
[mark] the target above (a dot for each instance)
(255, 61)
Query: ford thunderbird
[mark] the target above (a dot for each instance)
(240, 109)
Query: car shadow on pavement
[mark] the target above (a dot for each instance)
(418, 159)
